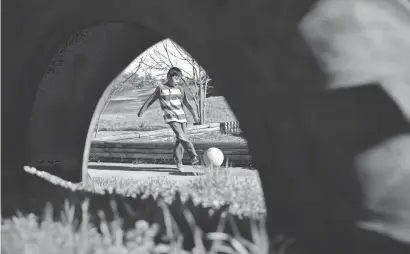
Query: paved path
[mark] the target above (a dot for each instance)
(137, 175)
(139, 171)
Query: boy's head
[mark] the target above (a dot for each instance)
(174, 76)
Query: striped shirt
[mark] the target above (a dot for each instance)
(171, 101)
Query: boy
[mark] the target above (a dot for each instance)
(172, 98)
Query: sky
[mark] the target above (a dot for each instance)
(176, 61)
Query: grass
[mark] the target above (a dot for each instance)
(241, 191)
(121, 115)
(22, 233)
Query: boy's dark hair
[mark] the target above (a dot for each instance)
(174, 71)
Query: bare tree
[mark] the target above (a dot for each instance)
(117, 85)
(160, 58)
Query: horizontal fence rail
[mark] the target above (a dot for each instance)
(128, 152)
(224, 127)
(159, 133)
(127, 148)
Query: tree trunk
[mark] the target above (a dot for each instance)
(202, 104)
(99, 116)
(205, 93)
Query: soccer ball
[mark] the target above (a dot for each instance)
(213, 157)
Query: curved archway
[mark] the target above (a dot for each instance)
(58, 131)
(191, 37)
(232, 41)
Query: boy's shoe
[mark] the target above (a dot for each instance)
(194, 161)
(179, 165)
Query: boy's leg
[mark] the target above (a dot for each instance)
(194, 159)
(178, 151)
(179, 129)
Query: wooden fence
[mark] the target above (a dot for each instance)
(224, 127)
(129, 152)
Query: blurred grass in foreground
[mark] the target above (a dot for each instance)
(23, 234)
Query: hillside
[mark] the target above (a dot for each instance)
(121, 112)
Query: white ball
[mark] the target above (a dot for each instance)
(213, 157)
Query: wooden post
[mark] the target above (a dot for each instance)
(203, 104)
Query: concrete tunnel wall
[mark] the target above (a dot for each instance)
(56, 89)
(241, 44)
(67, 98)
(217, 43)
(237, 43)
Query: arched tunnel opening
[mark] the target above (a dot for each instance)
(74, 79)
(120, 135)
(311, 143)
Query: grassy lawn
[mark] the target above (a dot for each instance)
(122, 114)
(241, 190)
(243, 193)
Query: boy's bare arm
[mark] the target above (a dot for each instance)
(154, 96)
(190, 108)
